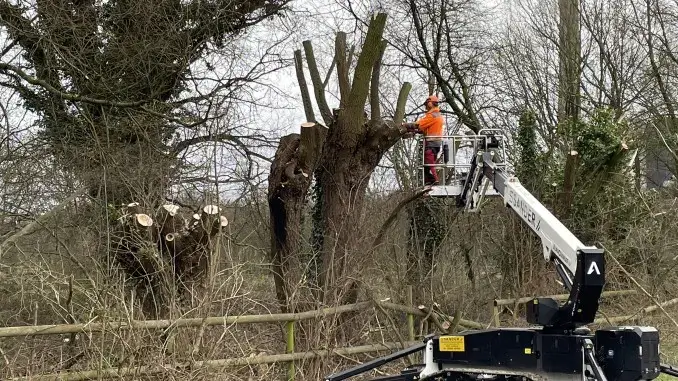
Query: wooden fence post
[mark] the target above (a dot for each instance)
(410, 317)
(495, 313)
(291, 371)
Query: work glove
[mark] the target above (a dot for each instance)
(411, 127)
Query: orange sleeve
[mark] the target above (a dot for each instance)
(427, 122)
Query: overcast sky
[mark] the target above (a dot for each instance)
(279, 109)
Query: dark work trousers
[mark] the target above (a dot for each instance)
(431, 150)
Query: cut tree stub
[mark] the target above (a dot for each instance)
(154, 242)
(307, 150)
(209, 217)
(171, 209)
(210, 209)
(133, 208)
(210, 221)
(143, 219)
(169, 220)
(311, 140)
(142, 228)
(132, 249)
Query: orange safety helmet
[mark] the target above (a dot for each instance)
(433, 99)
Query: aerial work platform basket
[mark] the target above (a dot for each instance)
(455, 159)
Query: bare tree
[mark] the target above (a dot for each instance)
(654, 20)
(445, 44)
(443, 40)
(118, 92)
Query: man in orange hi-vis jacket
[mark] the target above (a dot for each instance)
(431, 125)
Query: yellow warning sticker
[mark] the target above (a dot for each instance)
(452, 343)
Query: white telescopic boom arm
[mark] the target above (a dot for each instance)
(581, 267)
(556, 239)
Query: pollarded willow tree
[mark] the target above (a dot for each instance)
(340, 152)
(108, 82)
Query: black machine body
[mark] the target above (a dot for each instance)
(612, 354)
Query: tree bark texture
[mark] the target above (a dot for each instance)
(165, 252)
(340, 159)
(288, 184)
(569, 96)
(569, 93)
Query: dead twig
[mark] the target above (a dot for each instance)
(38, 222)
(402, 341)
(394, 214)
(652, 298)
(433, 318)
(4, 357)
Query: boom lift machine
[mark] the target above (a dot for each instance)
(558, 346)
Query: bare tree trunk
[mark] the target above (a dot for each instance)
(288, 185)
(569, 98)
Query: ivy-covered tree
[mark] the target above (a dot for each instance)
(603, 142)
(113, 86)
(425, 232)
